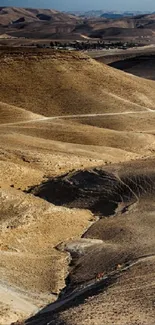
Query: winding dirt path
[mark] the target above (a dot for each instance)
(148, 110)
(16, 301)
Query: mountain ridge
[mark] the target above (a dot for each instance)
(47, 23)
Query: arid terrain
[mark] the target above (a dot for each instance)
(139, 61)
(77, 158)
(142, 66)
(18, 25)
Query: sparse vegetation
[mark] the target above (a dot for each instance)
(90, 45)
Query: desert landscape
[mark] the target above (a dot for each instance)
(20, 25)
(77, 185)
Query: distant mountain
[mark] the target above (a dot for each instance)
(108, 14)
(141, 26)
(52, 24)
(13, 15)
(114, 15)
(36, 23)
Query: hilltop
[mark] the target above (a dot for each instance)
(35, 23)
(53, 83)
(13, 15)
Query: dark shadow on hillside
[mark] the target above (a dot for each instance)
(43, 317)
(141, 66)
(96, 190)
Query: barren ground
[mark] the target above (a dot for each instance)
(110, 127)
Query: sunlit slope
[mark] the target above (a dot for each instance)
(71, 132)
(11, 114)
(34, 84)
(14, 16)
(61, 83)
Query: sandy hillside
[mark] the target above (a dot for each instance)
(111, 281)
(55, 84)
(33, 86)
(11, 114)
(13, 15)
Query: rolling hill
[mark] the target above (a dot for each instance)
(70, 90)
(13, 15)
(51, 24)
(126, 27)
(35, 23)
(64, 117)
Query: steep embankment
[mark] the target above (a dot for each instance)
(112, 271)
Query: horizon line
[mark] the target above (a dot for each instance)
(81, 10)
